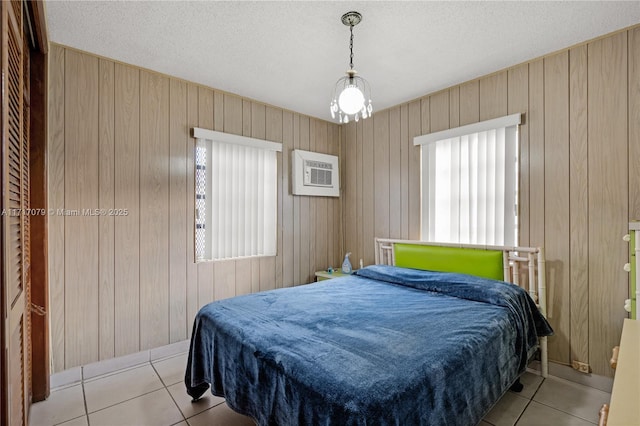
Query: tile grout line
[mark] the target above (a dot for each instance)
(565, 412)
(530, 401)
(562, 411)
(84, 397)
(170, 396)
(122, 402)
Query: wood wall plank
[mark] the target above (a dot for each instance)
(335, 143)
(454, 107)
(359, 189)
(297, 200)
(536, 153)
(304, 216)
(106, 200)
(313, 208)
(439, 111)
(55, 190)
(608, 194)
(273, 132)
(395, 178)
(518, 103)
(416, 127)
(556, 194)
(192, 268)
(225, 279)
(243, 276)
(232, 114)
(127, 196)
(154, 210)
(287, 223)
(634, 123)
(178, 200)
(320, 206)
(381, 174)
(493, 96)
(406, 148)
(81, 193)
(368, 190)
(579, 205)
(470, 102)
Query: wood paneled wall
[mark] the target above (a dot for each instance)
(579, 177)
(119, 139)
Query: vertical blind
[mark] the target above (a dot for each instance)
(236, 200)
(469, 184)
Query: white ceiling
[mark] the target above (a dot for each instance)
(290, 54)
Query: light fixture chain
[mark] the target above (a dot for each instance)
(351, 46)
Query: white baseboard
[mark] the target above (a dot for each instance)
(107, 366)
(602, 383)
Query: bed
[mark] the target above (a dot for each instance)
(429, 335)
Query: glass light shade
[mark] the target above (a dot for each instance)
(351, 100)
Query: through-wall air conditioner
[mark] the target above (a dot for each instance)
(314, 174)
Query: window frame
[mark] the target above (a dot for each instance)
(204, 136)
(510, 124)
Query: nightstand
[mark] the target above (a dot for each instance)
(324, 275)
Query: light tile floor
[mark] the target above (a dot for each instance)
(153, 394)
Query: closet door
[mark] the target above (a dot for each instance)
(15, 239)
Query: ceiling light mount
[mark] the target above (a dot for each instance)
(351, 91)
(351, 19)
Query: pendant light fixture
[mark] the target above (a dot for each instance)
(352, 94)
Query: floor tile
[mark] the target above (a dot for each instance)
(153, 409)
(80, 421)
(537, 414)
(572, 398)
(110, 390)
(171, 370)
(483, 423)
(507, 410)
(531, 384)
(188, 408)
(220, 415)
(62, 405)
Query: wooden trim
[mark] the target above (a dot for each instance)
(39, 25)
(39, 235)
(3, 314)
(603, 415)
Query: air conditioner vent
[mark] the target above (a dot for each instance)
(317, 173)
(314, 174)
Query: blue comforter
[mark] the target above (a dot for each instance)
(386, 346)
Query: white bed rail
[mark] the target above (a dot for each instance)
(523, 266)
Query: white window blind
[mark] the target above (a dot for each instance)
(236, 196)
(469, 183)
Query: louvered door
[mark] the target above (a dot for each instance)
(15, 238)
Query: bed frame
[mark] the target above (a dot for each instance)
(522, 266)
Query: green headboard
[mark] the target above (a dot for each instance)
(481, 263)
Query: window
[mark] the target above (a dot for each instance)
(235, 196)
(469, 183)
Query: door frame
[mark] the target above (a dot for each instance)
(38, 188)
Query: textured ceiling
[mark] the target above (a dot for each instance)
(290, 54)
